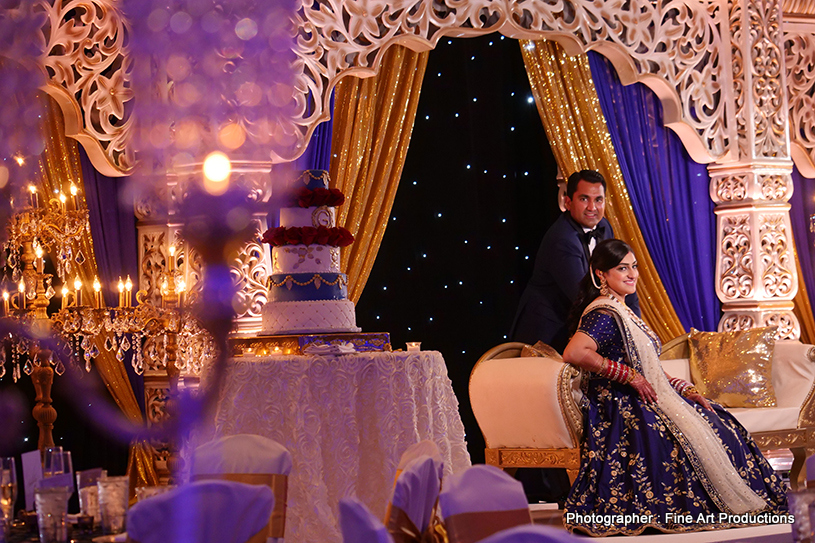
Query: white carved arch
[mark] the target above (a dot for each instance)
(676, 47)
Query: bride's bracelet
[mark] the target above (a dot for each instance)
(616, 371)
(682, 387)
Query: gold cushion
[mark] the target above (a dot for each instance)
(540, 349)
(734, 368)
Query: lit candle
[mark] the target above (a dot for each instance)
(64, 297)
(78, 288)
(74, 192)
(62, 200)
(182, 286)
(171, 250)
(38, 252)
(21, 293)
(128, 289)
(5, 302)
(33, 191)
(121, 292)
(97, 293)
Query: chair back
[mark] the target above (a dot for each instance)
(250, 459)
(359, 525)
(414, 500)
(481, 501)
(203, 512)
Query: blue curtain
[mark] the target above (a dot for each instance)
(669, 195)
(115, 242)
(802, 206)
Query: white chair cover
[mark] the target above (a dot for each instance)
(422, 448)
(481, 488)
(202, 512)
(532, 534)
(480, 502)
(358, 525)
(417, 490)
(241, 453)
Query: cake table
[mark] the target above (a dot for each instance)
(346, 420)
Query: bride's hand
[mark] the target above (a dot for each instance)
(701, 400)
(644, 388)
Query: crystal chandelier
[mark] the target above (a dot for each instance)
(87, 326)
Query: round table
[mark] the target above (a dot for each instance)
(346, 420)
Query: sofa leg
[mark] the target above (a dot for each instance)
(572, 473)
(797, 473)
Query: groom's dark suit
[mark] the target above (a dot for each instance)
(562, 261)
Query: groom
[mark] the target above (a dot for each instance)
(562, 261)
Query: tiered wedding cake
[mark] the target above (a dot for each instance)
(307, 292)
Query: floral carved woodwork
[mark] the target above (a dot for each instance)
(777, 277)
(674, 46)
(86, 61)
(736, 262)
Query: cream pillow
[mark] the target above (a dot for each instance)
(734, 368)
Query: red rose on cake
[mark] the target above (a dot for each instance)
(306, 197)
(307, 235)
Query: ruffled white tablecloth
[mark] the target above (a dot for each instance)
(346, 419)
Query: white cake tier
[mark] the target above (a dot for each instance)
(305, 259)
(316, 317)
(309, 216)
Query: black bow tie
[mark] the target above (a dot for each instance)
(597, 234)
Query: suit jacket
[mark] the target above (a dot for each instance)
(562, 261)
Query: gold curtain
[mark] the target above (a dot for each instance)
(59, 167)
(576, 128)
(803, 309)
(373, 122)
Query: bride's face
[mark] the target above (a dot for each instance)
(622, 279)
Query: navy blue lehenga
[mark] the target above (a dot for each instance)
(637, 470)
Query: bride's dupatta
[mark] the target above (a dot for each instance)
(710, 461)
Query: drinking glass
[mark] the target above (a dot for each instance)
(113, 497)
(8, 491)
(54, 462)
(52, 509)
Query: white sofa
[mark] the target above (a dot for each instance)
(528, 408)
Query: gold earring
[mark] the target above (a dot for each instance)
(603, 286)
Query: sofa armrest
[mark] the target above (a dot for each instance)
(519, 402)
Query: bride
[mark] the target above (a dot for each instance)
(656, 453)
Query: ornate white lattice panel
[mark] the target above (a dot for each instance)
(799, 49)
(86, 60)
(758, 79)
(755, 260)
(769, 314)
(765, 185)
(674, 46)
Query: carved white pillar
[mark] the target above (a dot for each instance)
(159, 227)
(755, 265)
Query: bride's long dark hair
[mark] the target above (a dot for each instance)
(607, 255)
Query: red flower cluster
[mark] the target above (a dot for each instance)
(318, 197)
(306, 235)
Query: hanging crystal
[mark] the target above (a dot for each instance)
(94, 351)
(120, 355)
(28, 367)
(85, 344)
(59, 369)
(124, 343)
(16, 372)
(87, 364)
(110, 343)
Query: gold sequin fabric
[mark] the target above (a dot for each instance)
(540, 349)
(734, 368)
